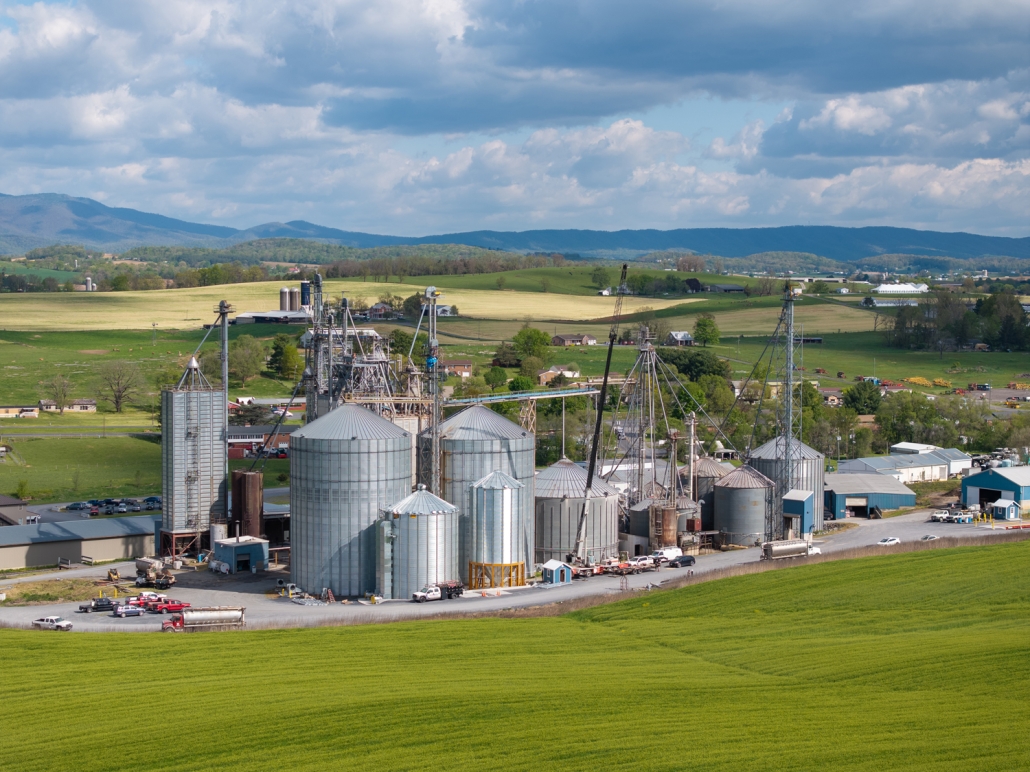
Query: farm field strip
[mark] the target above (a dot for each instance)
(865, 656)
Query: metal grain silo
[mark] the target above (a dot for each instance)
(707, 471)
(284, 298)
(294, 299)
(474, 443)
(498, 546)
(345, 468)
(425, 542)
(811, 470)
(743, 499)
(559, 503)
(193, 460)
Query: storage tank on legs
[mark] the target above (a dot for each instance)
(811, 470)
(743, 499)
(474, 443)
(498, 547)
(425, 542)
(559, 504)
(345, 468)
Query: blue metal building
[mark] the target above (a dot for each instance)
(556, 572)
(801, 505)
(242, 553)
(854, 495)
(986, 487)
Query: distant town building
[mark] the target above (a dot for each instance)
(573, 339)
(75, 406)
(725, 288)
(901, 289)
(460, 367)
(544, 377)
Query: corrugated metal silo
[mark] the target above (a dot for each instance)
(294, 299)
(707, 471)
(497, 537)
(743, 499)
(345, 468)
(811, 471)
(425, 544)
(193, 458)
(284, 299)
(559, 504)
(474, 443)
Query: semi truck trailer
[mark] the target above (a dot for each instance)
(193, 620)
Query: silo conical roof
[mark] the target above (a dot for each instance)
(350, 422)
(566, 478)
(769, 450)
(421, 502)
(706, 466)
(498, 480)
(480, 423)
(745, 477)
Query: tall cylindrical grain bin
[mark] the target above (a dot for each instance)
(474, 443)
(284, 299)
(425, 546)
(294, 299)
(497, 542)
(305, 293)
(559, 504)
(193, 460)
(707, 471)
(345, 468)
(743, 499)
(767, 459)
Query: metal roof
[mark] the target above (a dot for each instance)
(1020, 475)
(350, 422)
(498, 480)
(421, 502)
(10, 501)
(951, 454)
(74, 530)
(706, 466)
(567, 478)
(768, 450)
(745, 477)
(846, 484)
(797, 495)
(480, 423)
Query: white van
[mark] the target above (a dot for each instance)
(665, 554)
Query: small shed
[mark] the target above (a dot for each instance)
(1005, 509)
(242, 553)
(799, 506)
(556, 572)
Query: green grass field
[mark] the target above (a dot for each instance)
(900, 662)
(26, 269)
(77, 469)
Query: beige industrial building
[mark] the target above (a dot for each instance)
(46, 544)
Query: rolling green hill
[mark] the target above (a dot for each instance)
(902, 662)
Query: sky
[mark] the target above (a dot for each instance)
(414, 118)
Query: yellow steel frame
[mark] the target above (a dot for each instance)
(485, 575)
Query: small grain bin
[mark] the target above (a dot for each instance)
(499, 543)
(743, 501)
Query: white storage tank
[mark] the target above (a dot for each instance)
(559, 504)
(499, 539)
(425, 542)
(345, 468)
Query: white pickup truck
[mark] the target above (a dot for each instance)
(440, 591)
(52, 623)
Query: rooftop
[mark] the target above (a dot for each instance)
(104, 528)
(1020, 475)
(844, 484)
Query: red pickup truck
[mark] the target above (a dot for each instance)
(166, 605)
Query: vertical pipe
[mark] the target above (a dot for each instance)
(223, 313)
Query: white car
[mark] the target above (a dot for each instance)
(929, 537)
(888, 541)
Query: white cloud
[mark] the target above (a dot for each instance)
(851, 114)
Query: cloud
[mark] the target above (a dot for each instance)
(458, 114)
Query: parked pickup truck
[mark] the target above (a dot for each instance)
(166, 605)
(642, 563)
(98, 604)
(52, 623)
(441, 591)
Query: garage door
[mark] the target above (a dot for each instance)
(856, 501)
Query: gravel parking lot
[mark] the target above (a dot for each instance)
(265, 609)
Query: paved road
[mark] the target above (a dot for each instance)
(205, 589)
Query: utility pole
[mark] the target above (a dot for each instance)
(432, 372)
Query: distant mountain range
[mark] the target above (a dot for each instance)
(31, 221)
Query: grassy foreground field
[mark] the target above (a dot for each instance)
(895, 662)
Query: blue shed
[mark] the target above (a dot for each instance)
(556, 572)
(854, 495)
(986, 487)
(800, 505)
(1005, 509)
(242, 553)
